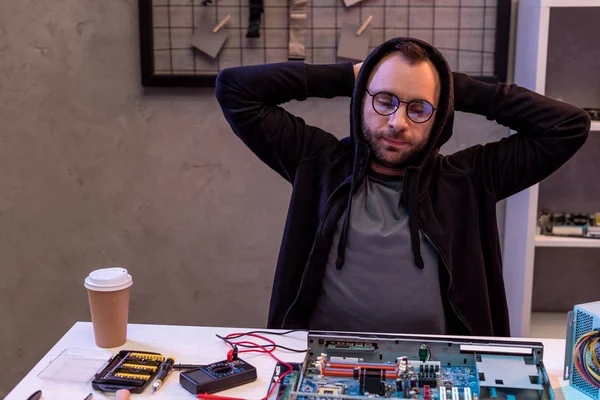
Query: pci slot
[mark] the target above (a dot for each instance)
(467, 393)
(442, 393)
(455, 395)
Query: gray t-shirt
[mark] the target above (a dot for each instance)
(379, 288)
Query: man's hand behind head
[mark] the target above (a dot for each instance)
(357, 69)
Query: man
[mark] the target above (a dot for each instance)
(383, 233)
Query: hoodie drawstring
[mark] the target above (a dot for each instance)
(413, 218)
(413, 222)
(339, 263)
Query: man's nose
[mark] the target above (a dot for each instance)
(399, 120)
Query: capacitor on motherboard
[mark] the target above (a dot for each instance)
(402, 363)
(355, 373)
(406, 388)
(319, 366)
(413, 382)
(399, 385)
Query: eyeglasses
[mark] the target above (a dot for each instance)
(418, 111)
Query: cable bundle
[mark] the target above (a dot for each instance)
(251, 347)
(585, 358)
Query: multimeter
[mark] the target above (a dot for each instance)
(218, 376)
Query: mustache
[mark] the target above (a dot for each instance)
(397, 136)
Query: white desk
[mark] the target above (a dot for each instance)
(199, 345)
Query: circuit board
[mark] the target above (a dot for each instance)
(462, 380)
(401, 368)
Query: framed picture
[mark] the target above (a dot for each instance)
(473, 36)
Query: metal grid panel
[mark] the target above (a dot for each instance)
(464, 30)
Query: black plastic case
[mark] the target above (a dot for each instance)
(218, 376)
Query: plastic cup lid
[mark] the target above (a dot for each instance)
(108, 280)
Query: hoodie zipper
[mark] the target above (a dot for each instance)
(441, 254)
(312, 250)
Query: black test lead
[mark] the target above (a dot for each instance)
(165, 368)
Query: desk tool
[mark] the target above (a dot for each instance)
(165, 368)
(35, 396)
(131, 370)
(218, 376)
(186, 366)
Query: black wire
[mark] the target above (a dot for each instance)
(249, 346)
(239, 335)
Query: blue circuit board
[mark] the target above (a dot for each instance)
(451, 377)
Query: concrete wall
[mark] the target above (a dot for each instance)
(96, 172)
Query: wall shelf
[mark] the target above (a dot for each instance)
(537, 41)
(556, 241)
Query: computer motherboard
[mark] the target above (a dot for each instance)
(365, 366)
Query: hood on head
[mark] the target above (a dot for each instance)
(444, 116)
(440, 133)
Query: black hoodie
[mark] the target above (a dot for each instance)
(451, 199)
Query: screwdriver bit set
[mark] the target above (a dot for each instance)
(131, 370)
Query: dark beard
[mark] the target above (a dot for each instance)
(400, 160)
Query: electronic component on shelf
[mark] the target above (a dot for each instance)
(594, 113)
(218, 376)
(569, 224)
(567, 230)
